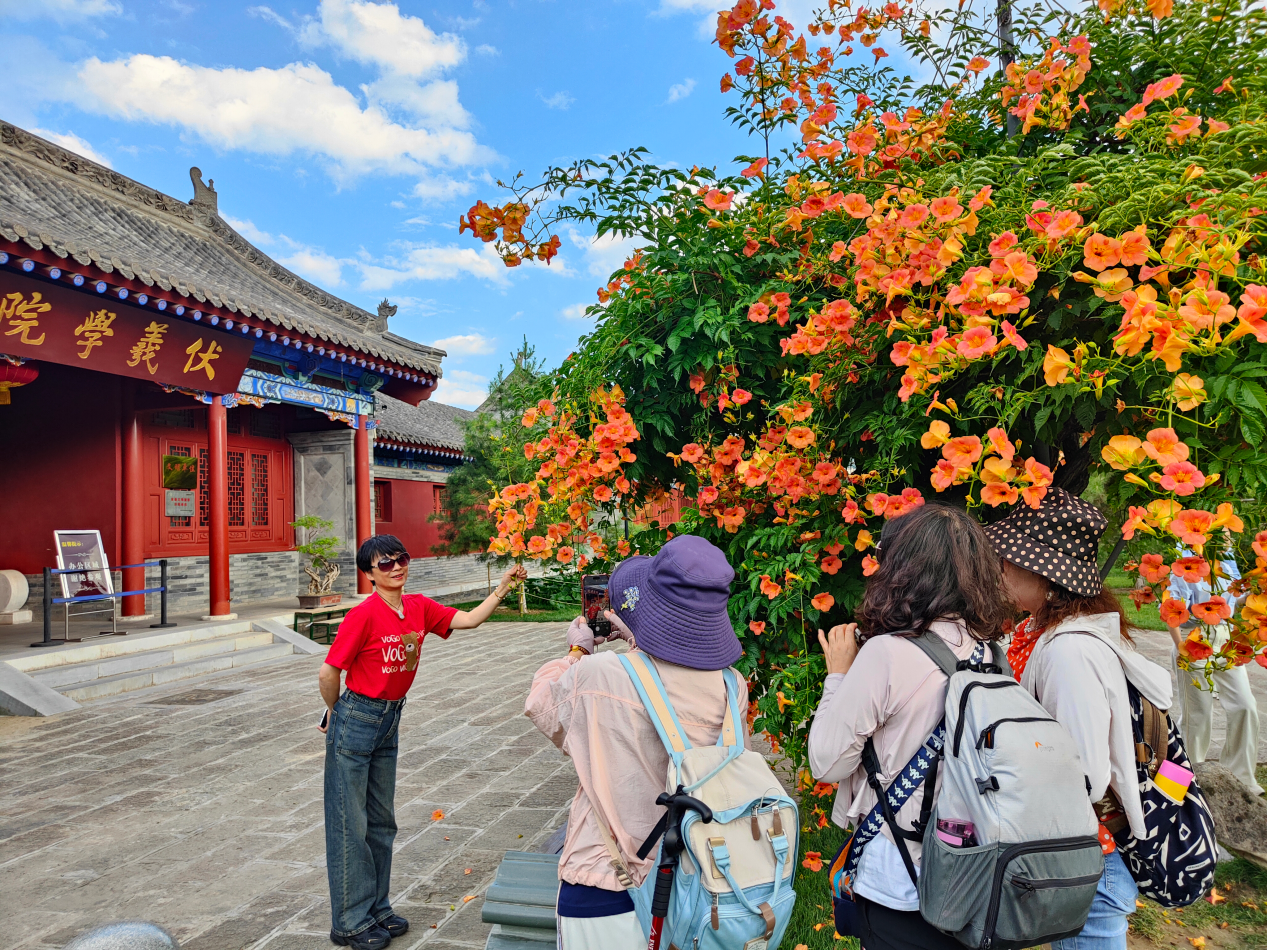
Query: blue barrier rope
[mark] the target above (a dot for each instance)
(122, 593)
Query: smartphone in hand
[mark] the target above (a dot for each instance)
(325, 720)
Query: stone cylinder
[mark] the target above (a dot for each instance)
(13, 591)
(125, 935)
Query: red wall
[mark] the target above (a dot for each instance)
(413, 503)
(60, 464)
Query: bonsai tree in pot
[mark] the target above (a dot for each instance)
(320, 547)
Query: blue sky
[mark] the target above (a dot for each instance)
(345, 137)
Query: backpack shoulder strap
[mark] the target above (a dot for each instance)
(656, 701)
(730, 735)
(937, 651)
(1000, 657)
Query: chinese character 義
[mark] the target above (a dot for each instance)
(146, 348)
(93, 329)
(23, 315)
(204, 357)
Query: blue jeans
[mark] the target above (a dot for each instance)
(360, 793)
(1114, 902)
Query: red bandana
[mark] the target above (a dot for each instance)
(1021, 647)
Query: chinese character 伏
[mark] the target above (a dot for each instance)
(93, 329)
(147, 347)
(203, 357)
(23, 315)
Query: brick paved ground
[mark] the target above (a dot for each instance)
(208, 818)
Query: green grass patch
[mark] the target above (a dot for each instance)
(813, 895)
(1238, 920)
(510, 611)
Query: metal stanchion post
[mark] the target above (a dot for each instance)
(48, 610)
(162, 596)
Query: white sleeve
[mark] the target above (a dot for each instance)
(1072, 688)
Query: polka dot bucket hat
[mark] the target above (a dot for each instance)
(1059, 540)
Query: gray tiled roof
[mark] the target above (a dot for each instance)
(428, 423)
(52, 198)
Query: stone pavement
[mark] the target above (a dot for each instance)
(207, 817)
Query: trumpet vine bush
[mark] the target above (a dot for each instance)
(1041, 263)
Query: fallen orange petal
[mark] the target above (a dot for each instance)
(437, 815)
(468, 897)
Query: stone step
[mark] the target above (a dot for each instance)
(137, 642)
(56, 677)
(172, 672)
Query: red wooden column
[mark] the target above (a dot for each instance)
(133, 501)
(364, 512)
(218, 508)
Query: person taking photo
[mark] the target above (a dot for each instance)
(673, 607)
(937, 574)
(378, 645)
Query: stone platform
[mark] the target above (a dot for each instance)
(199, 806)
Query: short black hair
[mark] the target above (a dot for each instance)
(376, 547)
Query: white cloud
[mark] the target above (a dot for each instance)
(442, 186)
(560, 100)
(603, 255)
(71, 141)
(435, 263)
(405, 120)
(297, 108)
(63, 11)
(324, 270)
(576, 311)
(469, 344)
(484, 49)
(378, 34)
(248, 230)
(461, 388)
(681, 90)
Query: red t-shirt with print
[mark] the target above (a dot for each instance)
(379, 648)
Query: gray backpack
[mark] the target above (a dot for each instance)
(1012, 770)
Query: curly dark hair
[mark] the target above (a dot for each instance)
(935, 562)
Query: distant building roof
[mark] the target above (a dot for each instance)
(429, 423)
(53, 198)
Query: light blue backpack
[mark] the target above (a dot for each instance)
(733, 886)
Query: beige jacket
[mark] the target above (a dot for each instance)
(590, 709)
(894, 693)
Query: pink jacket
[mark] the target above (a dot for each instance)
(895, 693)
(590, 709)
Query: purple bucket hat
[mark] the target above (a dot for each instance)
(675, 604)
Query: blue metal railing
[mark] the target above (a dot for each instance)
(50, 600)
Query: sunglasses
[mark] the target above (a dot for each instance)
(387, 563)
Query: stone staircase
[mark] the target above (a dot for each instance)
(112, 665)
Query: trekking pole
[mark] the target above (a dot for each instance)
(677, 805)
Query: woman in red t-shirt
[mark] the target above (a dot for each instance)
(378, 644)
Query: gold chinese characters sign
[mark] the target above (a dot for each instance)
(44, 321)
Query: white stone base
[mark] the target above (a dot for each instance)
(219, 617)
(16, 616)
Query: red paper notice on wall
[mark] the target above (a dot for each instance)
(44, 321)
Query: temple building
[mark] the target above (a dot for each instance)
(137, 331)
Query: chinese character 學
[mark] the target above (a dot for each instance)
(146, 348)
(23, 315)
(204, 357)
(92, 330)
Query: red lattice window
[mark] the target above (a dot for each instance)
(184, 451)
(204, 496)
(259, 489)
(237, 489)
(383, 501)
(440, 498)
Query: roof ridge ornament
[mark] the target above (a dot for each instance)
(386, 310)
(204, 195)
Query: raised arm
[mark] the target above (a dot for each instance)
(468, 619)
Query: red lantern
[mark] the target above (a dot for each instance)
(12, 376)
